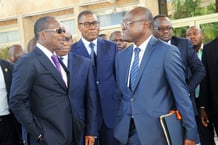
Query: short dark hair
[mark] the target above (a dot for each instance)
(159, 16)
(156, 21)
(41, 24)
(83, 13)
(114, 33)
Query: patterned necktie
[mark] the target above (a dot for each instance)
(134, 68)
(92, 54)
(57, 63)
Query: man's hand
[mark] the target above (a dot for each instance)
(89, 140)
(204, 117)
(189, 142)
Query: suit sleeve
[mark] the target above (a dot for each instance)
(196, 68)
(204, 84)
(176, 78)
(91, 103)
(19, 96)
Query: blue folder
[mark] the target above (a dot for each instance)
(172, 128)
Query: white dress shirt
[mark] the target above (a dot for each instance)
(4, 108)
(141, 54)
(49, 54)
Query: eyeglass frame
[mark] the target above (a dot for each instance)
(126, 24)
(161, 29)
(58, 30)
(67, 39)
(89, 24)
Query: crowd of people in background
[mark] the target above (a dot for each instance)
(108, 90)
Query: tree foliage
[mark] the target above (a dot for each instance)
(191, 8)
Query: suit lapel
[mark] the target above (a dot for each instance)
(145, 60)
(81, 49)
(45, 61)
(124, 64)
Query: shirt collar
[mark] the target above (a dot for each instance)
(86, 43)
(143, 45)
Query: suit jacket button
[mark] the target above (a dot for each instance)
(132, 99)
(97, 82)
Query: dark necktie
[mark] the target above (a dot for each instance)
(61, 58)
(57, 63)
(134, 68)
(92, 54)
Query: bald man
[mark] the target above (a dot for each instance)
(15, 52)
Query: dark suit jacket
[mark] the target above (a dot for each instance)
(208, 88)
(7, 69)
(105, 77)
(39, 100)
(160, 80)
(194, 69)
(82, 92)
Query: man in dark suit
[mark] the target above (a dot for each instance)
(194, 69)
(195, 35)
(39, 91)
(82, 94)
(102, 53)
(10, 130)
(150, 76)
(208, 100)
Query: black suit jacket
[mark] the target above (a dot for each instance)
(194, 69)
(39, 99)
(7, 69)
(208, 88)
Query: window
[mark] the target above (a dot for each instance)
(9, 36)
(111, 19)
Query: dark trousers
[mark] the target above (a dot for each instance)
(10, 131)
(133, 136)
(106, 136)
(206, 134)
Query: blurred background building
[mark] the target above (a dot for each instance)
(17, 17)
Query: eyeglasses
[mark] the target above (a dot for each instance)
(68, 38)
(59, 30)
(89, 24)
(126, 24)
(163, 29)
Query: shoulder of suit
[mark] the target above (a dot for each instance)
(79, 57)
(107, 42)
(211, 44)
(6, 66)
(5, 62)
(179, 38)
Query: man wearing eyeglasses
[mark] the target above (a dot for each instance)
(148, 73)
(39, 91)
(194, 69)
(102, 53)
(63, 53)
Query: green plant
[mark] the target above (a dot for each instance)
(4, 53)
(190, 8)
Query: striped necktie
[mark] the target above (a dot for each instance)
(134, 68)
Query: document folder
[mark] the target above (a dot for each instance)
(172, 128)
